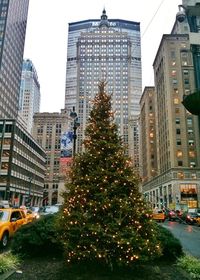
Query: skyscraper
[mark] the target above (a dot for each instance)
(148, 151)
(110, 50)
(13, 19)
(29, 102)
(177, 131)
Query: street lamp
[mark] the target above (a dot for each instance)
(28, 200)
(76, 124)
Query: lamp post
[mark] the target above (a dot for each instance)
(76, 124)
(28, 202)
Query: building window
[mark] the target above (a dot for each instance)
(180, 163)
(177, 110)
(188, 190)
(191, 142)
(176, 100)
(179, 153)
(194, 176)
(178, 131)
(190, 131)
(180, 175)
(192, 154)
(173, 73)
(192, 164)
(178, 142)
(177, 121)
(189, 121)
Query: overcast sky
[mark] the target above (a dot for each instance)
(47, 28)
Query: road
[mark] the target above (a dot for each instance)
(188, 235)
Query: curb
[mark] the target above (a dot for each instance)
(6, 274)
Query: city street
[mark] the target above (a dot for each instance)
(188, 235)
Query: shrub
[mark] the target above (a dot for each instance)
(7, 262)
(191, 265)
(171, 246)
(37, 238)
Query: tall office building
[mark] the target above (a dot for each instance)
(148, 146)
(177, 131)
(13, 18)
(22, 165)
(29, 101)
(110, 50)
(177, 80)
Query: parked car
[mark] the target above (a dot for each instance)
(49, 209)
(10, 220)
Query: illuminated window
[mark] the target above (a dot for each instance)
(179, 153)
(6, 141)
(180, 175)
(173, 73)
(194, 176)
(192, 153)
(176, 101)
(4, 166)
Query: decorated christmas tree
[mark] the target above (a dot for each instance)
(104, 216)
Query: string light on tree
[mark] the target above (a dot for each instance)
(105, 219)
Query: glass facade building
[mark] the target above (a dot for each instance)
(13, 19)
(22, 165)
(29, 101)
(109, 50)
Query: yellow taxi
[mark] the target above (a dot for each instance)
(198, 221)
(10, 220)
(158, 215)
(30, 215)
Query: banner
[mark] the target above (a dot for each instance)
(66, 144)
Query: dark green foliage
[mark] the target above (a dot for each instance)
(105, 218)
(171, 246)
(37, 238)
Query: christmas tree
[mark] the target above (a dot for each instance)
(104, 216)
